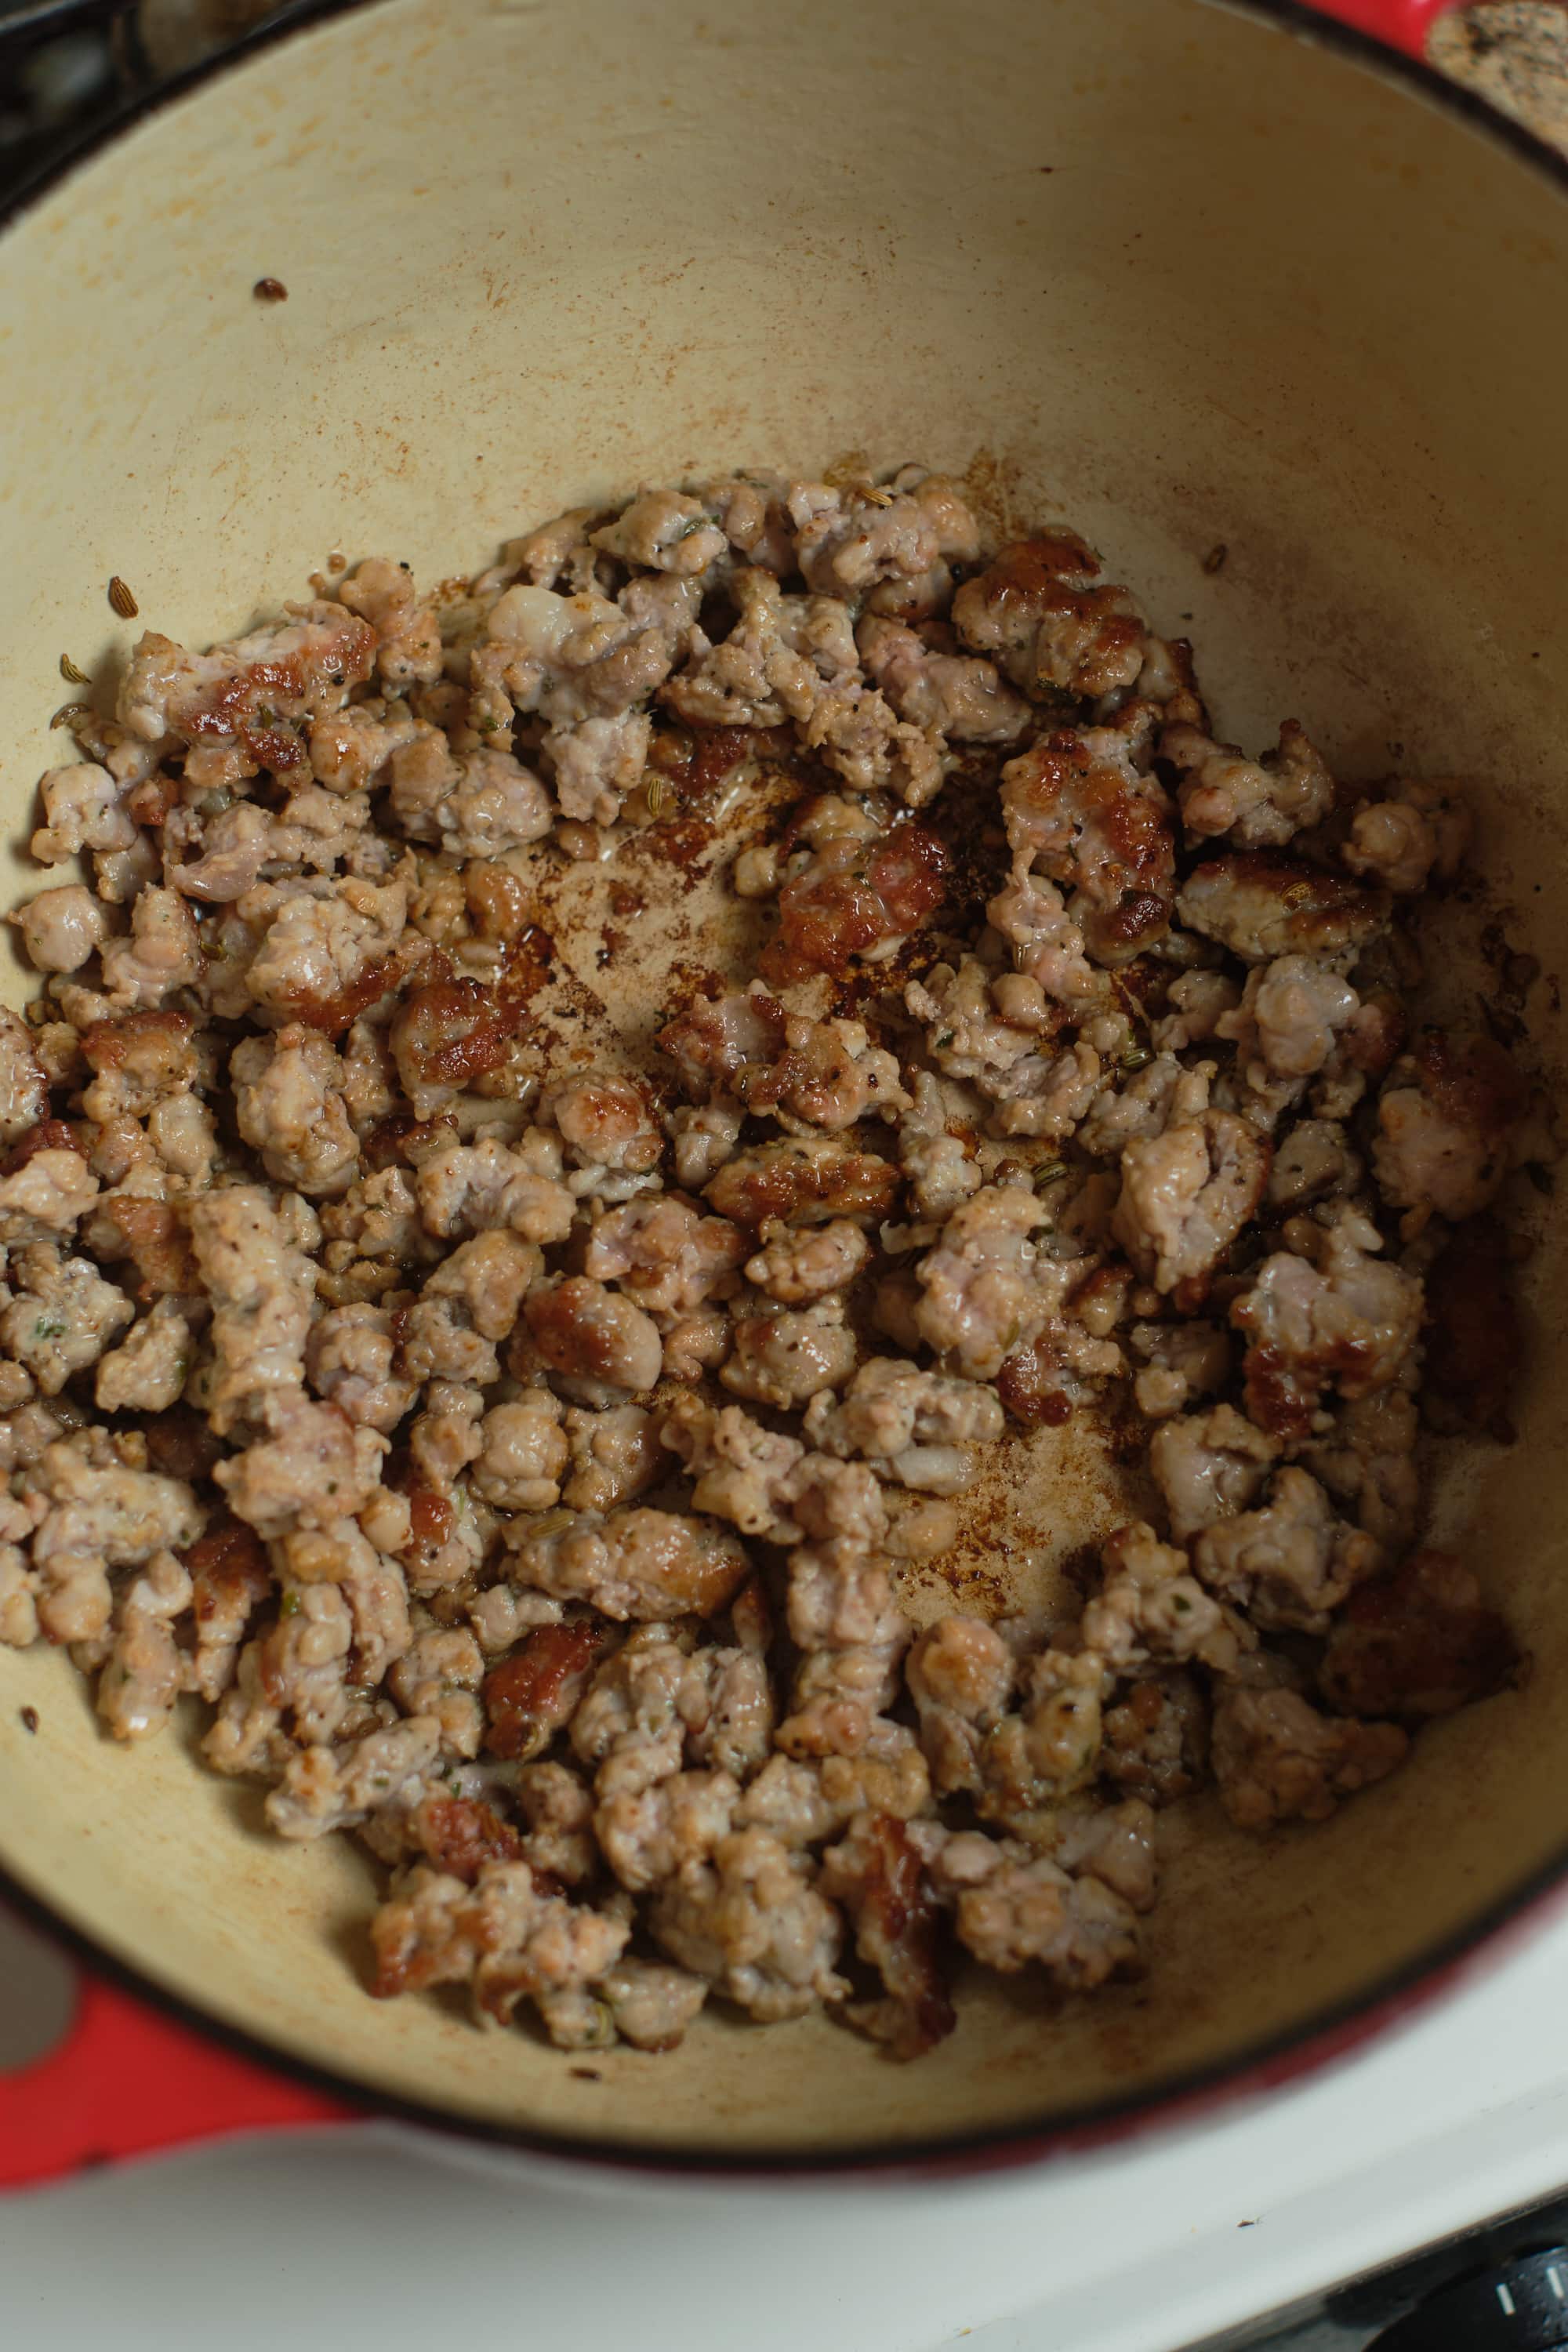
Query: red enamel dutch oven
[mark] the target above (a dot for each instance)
(1185, 274)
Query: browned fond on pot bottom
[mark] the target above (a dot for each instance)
(1185, 279)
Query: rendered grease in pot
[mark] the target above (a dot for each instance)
(524, 1451)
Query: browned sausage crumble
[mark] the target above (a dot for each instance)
(523, 1467)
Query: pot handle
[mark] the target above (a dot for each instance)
(1402, 23)
(127, 2081)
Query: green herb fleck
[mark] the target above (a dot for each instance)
(600, 2034)
(1137, 1058)
(943, 1041)
(290, 1605)
(1051, 1172)
(48, 1326)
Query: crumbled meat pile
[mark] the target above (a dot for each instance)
(523, 1479)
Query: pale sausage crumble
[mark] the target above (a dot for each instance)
(523, 1467)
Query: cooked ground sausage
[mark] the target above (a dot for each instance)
(517, 1453)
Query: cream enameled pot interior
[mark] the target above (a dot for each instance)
(1163, 269)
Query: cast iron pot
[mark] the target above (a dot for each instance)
(1187, 275)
